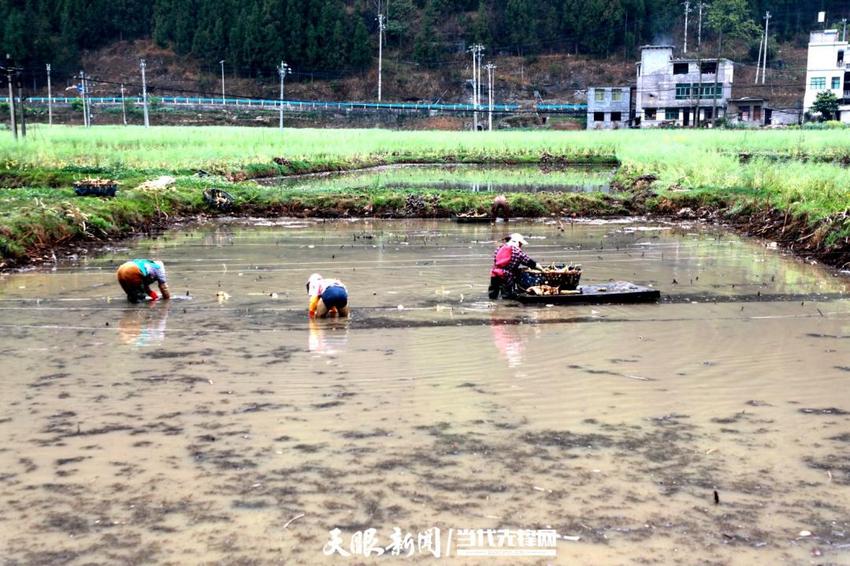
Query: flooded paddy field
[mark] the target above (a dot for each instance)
(464, 177)
(713, 427)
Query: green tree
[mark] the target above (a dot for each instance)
(731, 18)
(481, 31)
(360, 52)
(426, 51)
(827, 104)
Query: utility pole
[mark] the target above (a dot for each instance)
(11, 96)
(123, 105)
(490, 67)
(380, 51)
(714, 90)
(283, 70)
(474, 89)
(687, 12)
(49, 98)
(23, 109)
(223, 101)
(699, 93)
(142, 65)
(844, 34)
(758, 63)
(766, 38)
(83, 96)
(699, 27)
(478, 81)
(476, 50)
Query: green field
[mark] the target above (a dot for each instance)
(801, 173)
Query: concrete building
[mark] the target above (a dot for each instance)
(748, 110)
(609, 108)
(680, 92)
(828, 68)
(757, 111)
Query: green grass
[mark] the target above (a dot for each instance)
(799, 172)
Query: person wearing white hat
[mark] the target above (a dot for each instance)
(506, 264)
(137, 276)
(327, 296)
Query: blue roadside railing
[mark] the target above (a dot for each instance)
(296, 105)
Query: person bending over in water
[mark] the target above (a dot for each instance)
(501, 208)
(327, 296)
(506, 266)
(136, 277)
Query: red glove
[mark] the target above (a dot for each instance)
(152, 294)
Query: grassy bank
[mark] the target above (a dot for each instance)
(793, 174)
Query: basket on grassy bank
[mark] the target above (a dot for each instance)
(219, 199)
(96, 188)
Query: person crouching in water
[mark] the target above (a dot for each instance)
(501, 208)
(327, 296)
(506, 266)
(136, 277)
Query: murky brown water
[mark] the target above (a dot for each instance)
(237, 432)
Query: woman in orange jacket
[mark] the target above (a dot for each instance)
(137, 276)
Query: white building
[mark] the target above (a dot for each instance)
(680, 92)
(609, 108)
(828, 69)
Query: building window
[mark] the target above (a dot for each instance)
(680, 68)
(599, 116)
(617, 95)
(711, 91)
(616, 116)
(836, 83)
(818, 83)
(599, 95)
(671, 113)
(649, 113)
(683, 91)
(709, 67)
(840, 58)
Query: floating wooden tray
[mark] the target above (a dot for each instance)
(615, 292)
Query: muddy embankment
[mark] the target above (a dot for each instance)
(38, 234)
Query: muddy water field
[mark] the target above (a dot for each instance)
(224, 427)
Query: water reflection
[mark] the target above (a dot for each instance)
(328, 336)
(510, 340)
(144, 325)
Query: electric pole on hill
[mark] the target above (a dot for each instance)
(123, 105)
(283, 70)
(83, 96)
(478, 78)
(23, 109)
(380, 51)
(142, 66)
(490, 67)
(49, 98)
(766, 37)
(223, 99)
(699, 27)
(476, 51)
(687, 11)
(9, 70)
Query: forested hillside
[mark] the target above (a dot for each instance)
(341, 35)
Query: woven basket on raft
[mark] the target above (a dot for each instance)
(563, 277)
